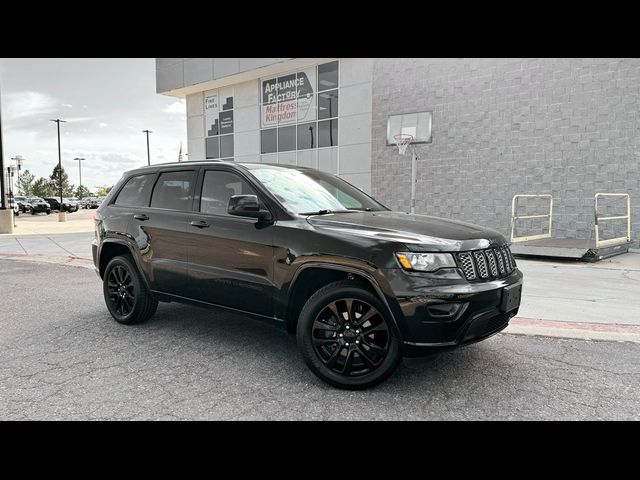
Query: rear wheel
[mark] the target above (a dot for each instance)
(346, 338)
(127, 297)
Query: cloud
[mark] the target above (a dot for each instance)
(78, 119)
(67, 105)
(25, 104)
(176, 107)
(102, 124)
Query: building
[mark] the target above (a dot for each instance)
(488, 129)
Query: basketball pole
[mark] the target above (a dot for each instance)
(414, 171)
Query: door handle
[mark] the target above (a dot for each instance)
(199, 224)
(141, 216)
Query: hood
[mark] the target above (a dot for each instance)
(417, 232)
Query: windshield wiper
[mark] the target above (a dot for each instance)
(326, 212)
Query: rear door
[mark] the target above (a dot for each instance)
(230, 257)
(160, 230)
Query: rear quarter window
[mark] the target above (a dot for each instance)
(135, 193)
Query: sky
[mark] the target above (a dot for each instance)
(107, 102)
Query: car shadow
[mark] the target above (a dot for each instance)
(217, 334)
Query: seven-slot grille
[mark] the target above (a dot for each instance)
(488, 263)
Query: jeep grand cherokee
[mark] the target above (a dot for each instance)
(360, 285)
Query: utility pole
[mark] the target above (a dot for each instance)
(19, 159)
(148, 155)
(61, 214)
(6, 220)
(80, 160)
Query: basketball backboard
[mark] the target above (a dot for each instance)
(416, 124)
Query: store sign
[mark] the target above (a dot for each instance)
(288, 99)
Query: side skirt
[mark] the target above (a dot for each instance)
(168, 298)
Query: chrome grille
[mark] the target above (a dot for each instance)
(500, 258)
(489, 263)
(507, 260)
(467, 266)
(493, 266)
(481, 264)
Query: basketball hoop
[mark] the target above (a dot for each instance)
(402, 142)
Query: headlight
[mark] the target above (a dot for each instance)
(425, 262)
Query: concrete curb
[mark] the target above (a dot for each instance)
(577, 330)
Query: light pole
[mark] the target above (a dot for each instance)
(80, 160)
(148, 155)
(61, 215)
(19, 159)
(6, 221)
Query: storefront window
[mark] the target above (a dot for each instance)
(294, 115)
(218, 116)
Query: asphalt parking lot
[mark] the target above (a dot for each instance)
(63, 357)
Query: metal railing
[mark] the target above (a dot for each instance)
(514, 218)
(599, 219)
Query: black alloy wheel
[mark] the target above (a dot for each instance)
(121, 291)
(125, 293)
(346, 336)
(350, 337)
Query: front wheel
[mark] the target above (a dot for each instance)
(127, 297)
(346, 338)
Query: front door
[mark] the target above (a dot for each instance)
(230, 257)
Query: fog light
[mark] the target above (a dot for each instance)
(444, 309)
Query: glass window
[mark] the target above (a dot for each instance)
(269, 140)
(296, 102)
(306, 192)
(212, 146)
(307, 136)
(217, 189)
(136, 192)
(327, 76)
(173, 191)
(286, 139)
(226, 146)
(328, 104)
(328, 133)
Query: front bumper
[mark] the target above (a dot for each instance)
(438, 314)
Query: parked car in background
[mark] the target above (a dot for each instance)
(23, 204)
(66, 205)
(38, 205)
(95, 202)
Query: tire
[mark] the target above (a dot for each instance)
(330, 348)
(33, 212)
(138, 304)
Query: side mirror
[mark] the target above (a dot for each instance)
(247, 206)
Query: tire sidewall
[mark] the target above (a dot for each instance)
(304, 336)
(137, 288)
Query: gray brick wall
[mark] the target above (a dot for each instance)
(569, 127)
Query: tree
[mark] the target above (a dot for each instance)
(25, 183)
(103, 191)
(42, 188)
(67, 188)
(82, 192)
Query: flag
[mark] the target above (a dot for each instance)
(180, 154)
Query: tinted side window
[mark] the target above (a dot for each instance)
(136, 192)
(173, 191)
(218, 187)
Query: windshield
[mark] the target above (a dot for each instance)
(307, 192)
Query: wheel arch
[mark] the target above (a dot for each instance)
(113, 247)
(313, 275)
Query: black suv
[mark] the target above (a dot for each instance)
(361, 286)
